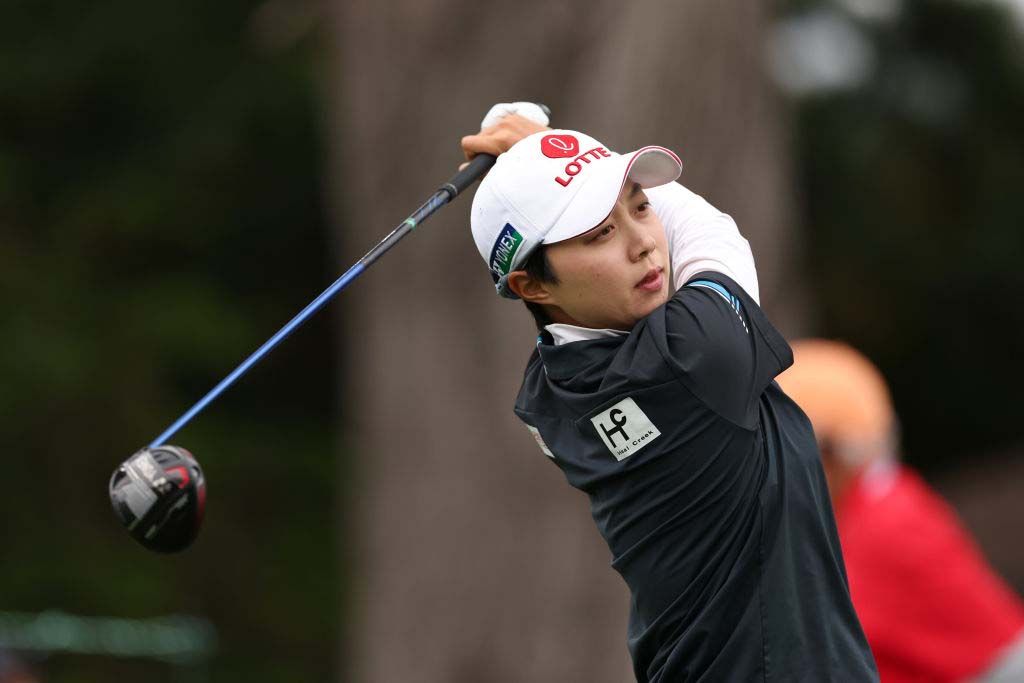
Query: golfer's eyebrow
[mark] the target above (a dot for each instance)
(633, 192)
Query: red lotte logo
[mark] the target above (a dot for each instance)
(559, 146)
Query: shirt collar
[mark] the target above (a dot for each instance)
(563, 334)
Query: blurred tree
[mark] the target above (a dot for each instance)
(475, 562)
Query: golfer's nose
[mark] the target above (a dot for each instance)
(642, 243)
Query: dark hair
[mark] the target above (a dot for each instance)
(538, 267)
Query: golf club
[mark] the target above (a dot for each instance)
(159, 493)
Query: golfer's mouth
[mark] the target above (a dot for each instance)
(653, 281)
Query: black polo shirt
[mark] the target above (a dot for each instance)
(705, 481)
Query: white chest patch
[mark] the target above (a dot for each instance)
(624, 428)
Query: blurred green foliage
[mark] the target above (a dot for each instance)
(915, 225)
(161, 216)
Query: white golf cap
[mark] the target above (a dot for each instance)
(551, 187)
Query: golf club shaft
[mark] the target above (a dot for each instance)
(447, 192)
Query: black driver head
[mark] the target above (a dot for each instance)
(159, 495)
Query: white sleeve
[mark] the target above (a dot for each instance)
(700, 238)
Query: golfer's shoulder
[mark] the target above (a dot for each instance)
(532, 383)
(710, 300)
(536, 398)
(717, 341)
(713, 317)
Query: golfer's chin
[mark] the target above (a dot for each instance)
(641, 309)
(649, 301)
(631, 309)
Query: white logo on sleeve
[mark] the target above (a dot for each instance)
(625, 429)
(540, 441)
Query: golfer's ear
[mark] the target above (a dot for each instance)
(528, 288)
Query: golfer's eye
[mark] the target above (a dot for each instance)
(596, 234)
(643, 207)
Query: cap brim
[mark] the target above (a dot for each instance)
(648, 166)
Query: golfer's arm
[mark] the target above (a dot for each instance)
(701, 238)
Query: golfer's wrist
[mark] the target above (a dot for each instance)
(500, 137)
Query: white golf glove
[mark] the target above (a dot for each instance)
(527, 110)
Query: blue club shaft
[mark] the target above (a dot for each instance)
(448, 192)
(293, 324)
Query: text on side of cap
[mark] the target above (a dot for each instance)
(573, 168)
(504, 251)
(624, 428)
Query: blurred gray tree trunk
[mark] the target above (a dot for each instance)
(472, 560)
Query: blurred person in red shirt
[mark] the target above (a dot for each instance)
(930, 605)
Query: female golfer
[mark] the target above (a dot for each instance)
(652, 388)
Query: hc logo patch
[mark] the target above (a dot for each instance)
(624, 428)
(559, 146)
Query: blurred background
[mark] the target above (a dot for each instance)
(176, 181)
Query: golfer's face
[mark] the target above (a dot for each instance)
(617, 273)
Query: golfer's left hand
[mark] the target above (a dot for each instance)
(504, 126)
